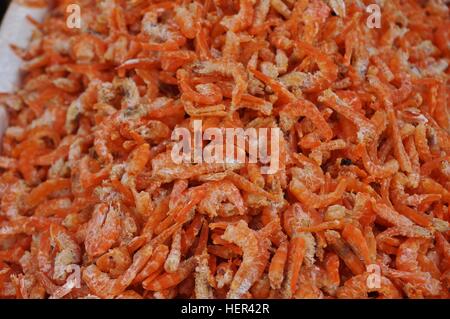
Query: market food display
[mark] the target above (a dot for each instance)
(93, 205)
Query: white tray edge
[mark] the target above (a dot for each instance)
(16, 29)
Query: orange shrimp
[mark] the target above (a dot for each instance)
(38, 194)
(169, 280)
(203, 289)
(254, 260)
(355, 238)
(211, 93)
(242, 19)
(226, 68)
(103, 229)
(322, 79)
(277, 264)
(218, 193)
(305, 108)
(297, 250)
(357, 288)
(366, 129)
(312, 200)
(173, 259)
(344, 252)
(154, 264)
(115, 262)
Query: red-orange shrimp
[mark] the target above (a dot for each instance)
(203, 289)
(277, 265)
(420, 282)
(255, 257)
(89, 179)
(296, 254)
(407, 255)
(344, 252)
(283, 94)
(331, 264)
(357, 287)
(366, 129)
(420, 138)
(103, 229)
(39, 194)
(390, 215)
(210, 93)
(169, 280)
(379, 171)
(138, 159)
(322, 79)
(174, 257)
(102, 285)
(155, 263)
(355, 238)
(311, 175)
(187, 19)
(313, 200)
(115, 262)
(60, 152)
(219, 192)
(243, 19)
(226, 68)
(190, 234)
(428, 185)
(301, 107)
(247, 186)
(224, 274)
(68, 251)
(24, 225)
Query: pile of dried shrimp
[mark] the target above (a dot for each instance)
(92, 204)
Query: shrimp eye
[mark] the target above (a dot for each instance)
(346, 162)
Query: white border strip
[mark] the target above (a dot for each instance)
(15, 29)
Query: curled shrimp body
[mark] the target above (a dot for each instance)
(313, 200)
(305, 108)
(219, 192)
(388, 169)
(154, 264)
(226, 68)
(103, 229)
(242, 19)
(321, 80)
(407, 255)
(255, 257)
(169, 280)
(203, 289)
(186, 19)
(366, 129)
(277, 264)
(160, 37)
(69, 251)
(115, 262)
(358, 288)
(211, 92)
(224, 274)
(105, 286)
